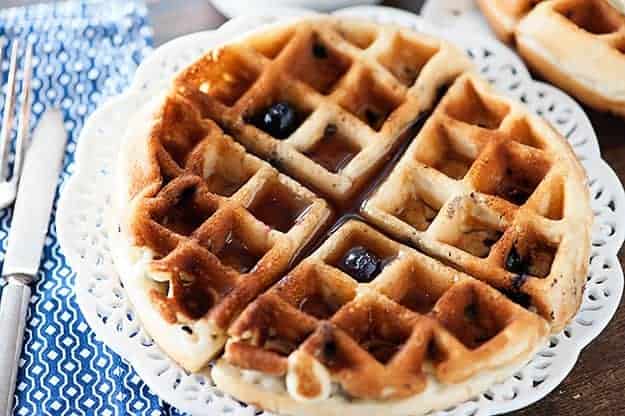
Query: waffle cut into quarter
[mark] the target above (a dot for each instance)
(347, 219)
(206, 229)
(419, 336)
(494, 191)
(353, 89)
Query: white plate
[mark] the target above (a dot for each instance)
(84, 203)
(234, 8)
(461, 15)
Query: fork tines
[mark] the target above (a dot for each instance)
(8, 114)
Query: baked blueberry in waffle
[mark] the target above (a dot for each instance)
(348, 219)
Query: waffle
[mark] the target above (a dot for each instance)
(355, 88)
(341, 346)
(576, 44)
(210, 227)
(247, 195)
(485, 181)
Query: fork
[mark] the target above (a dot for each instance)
(8, 184)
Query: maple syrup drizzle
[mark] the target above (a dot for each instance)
(315, 305)
(333, 151)
(237, 255)
(279, 208)
(351, 208)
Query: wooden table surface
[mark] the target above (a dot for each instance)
(596, 385)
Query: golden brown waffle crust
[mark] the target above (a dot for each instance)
(136, 180)
(587, 65)
(310, 369)
(131, 262)
(443, 67)
(436, 396)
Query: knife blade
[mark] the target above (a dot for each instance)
(29, 226)
(35, 195)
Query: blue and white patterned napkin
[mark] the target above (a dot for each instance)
(84, 51)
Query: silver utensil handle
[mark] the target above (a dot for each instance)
(13, 308)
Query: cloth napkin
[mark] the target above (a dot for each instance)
(84, 51)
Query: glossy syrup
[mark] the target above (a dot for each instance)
(316, 305)
(236, 254)
(279, 208)
(352, 207)
(333, 151)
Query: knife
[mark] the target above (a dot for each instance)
(31, 216)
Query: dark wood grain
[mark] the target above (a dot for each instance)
(596, 385)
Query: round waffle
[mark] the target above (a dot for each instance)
(578, 45)
(361, 222)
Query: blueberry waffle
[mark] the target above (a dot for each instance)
(325, 101)
(578, 45)
(493, 191)
(405, 336)
(246, 206)
(206, 228)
